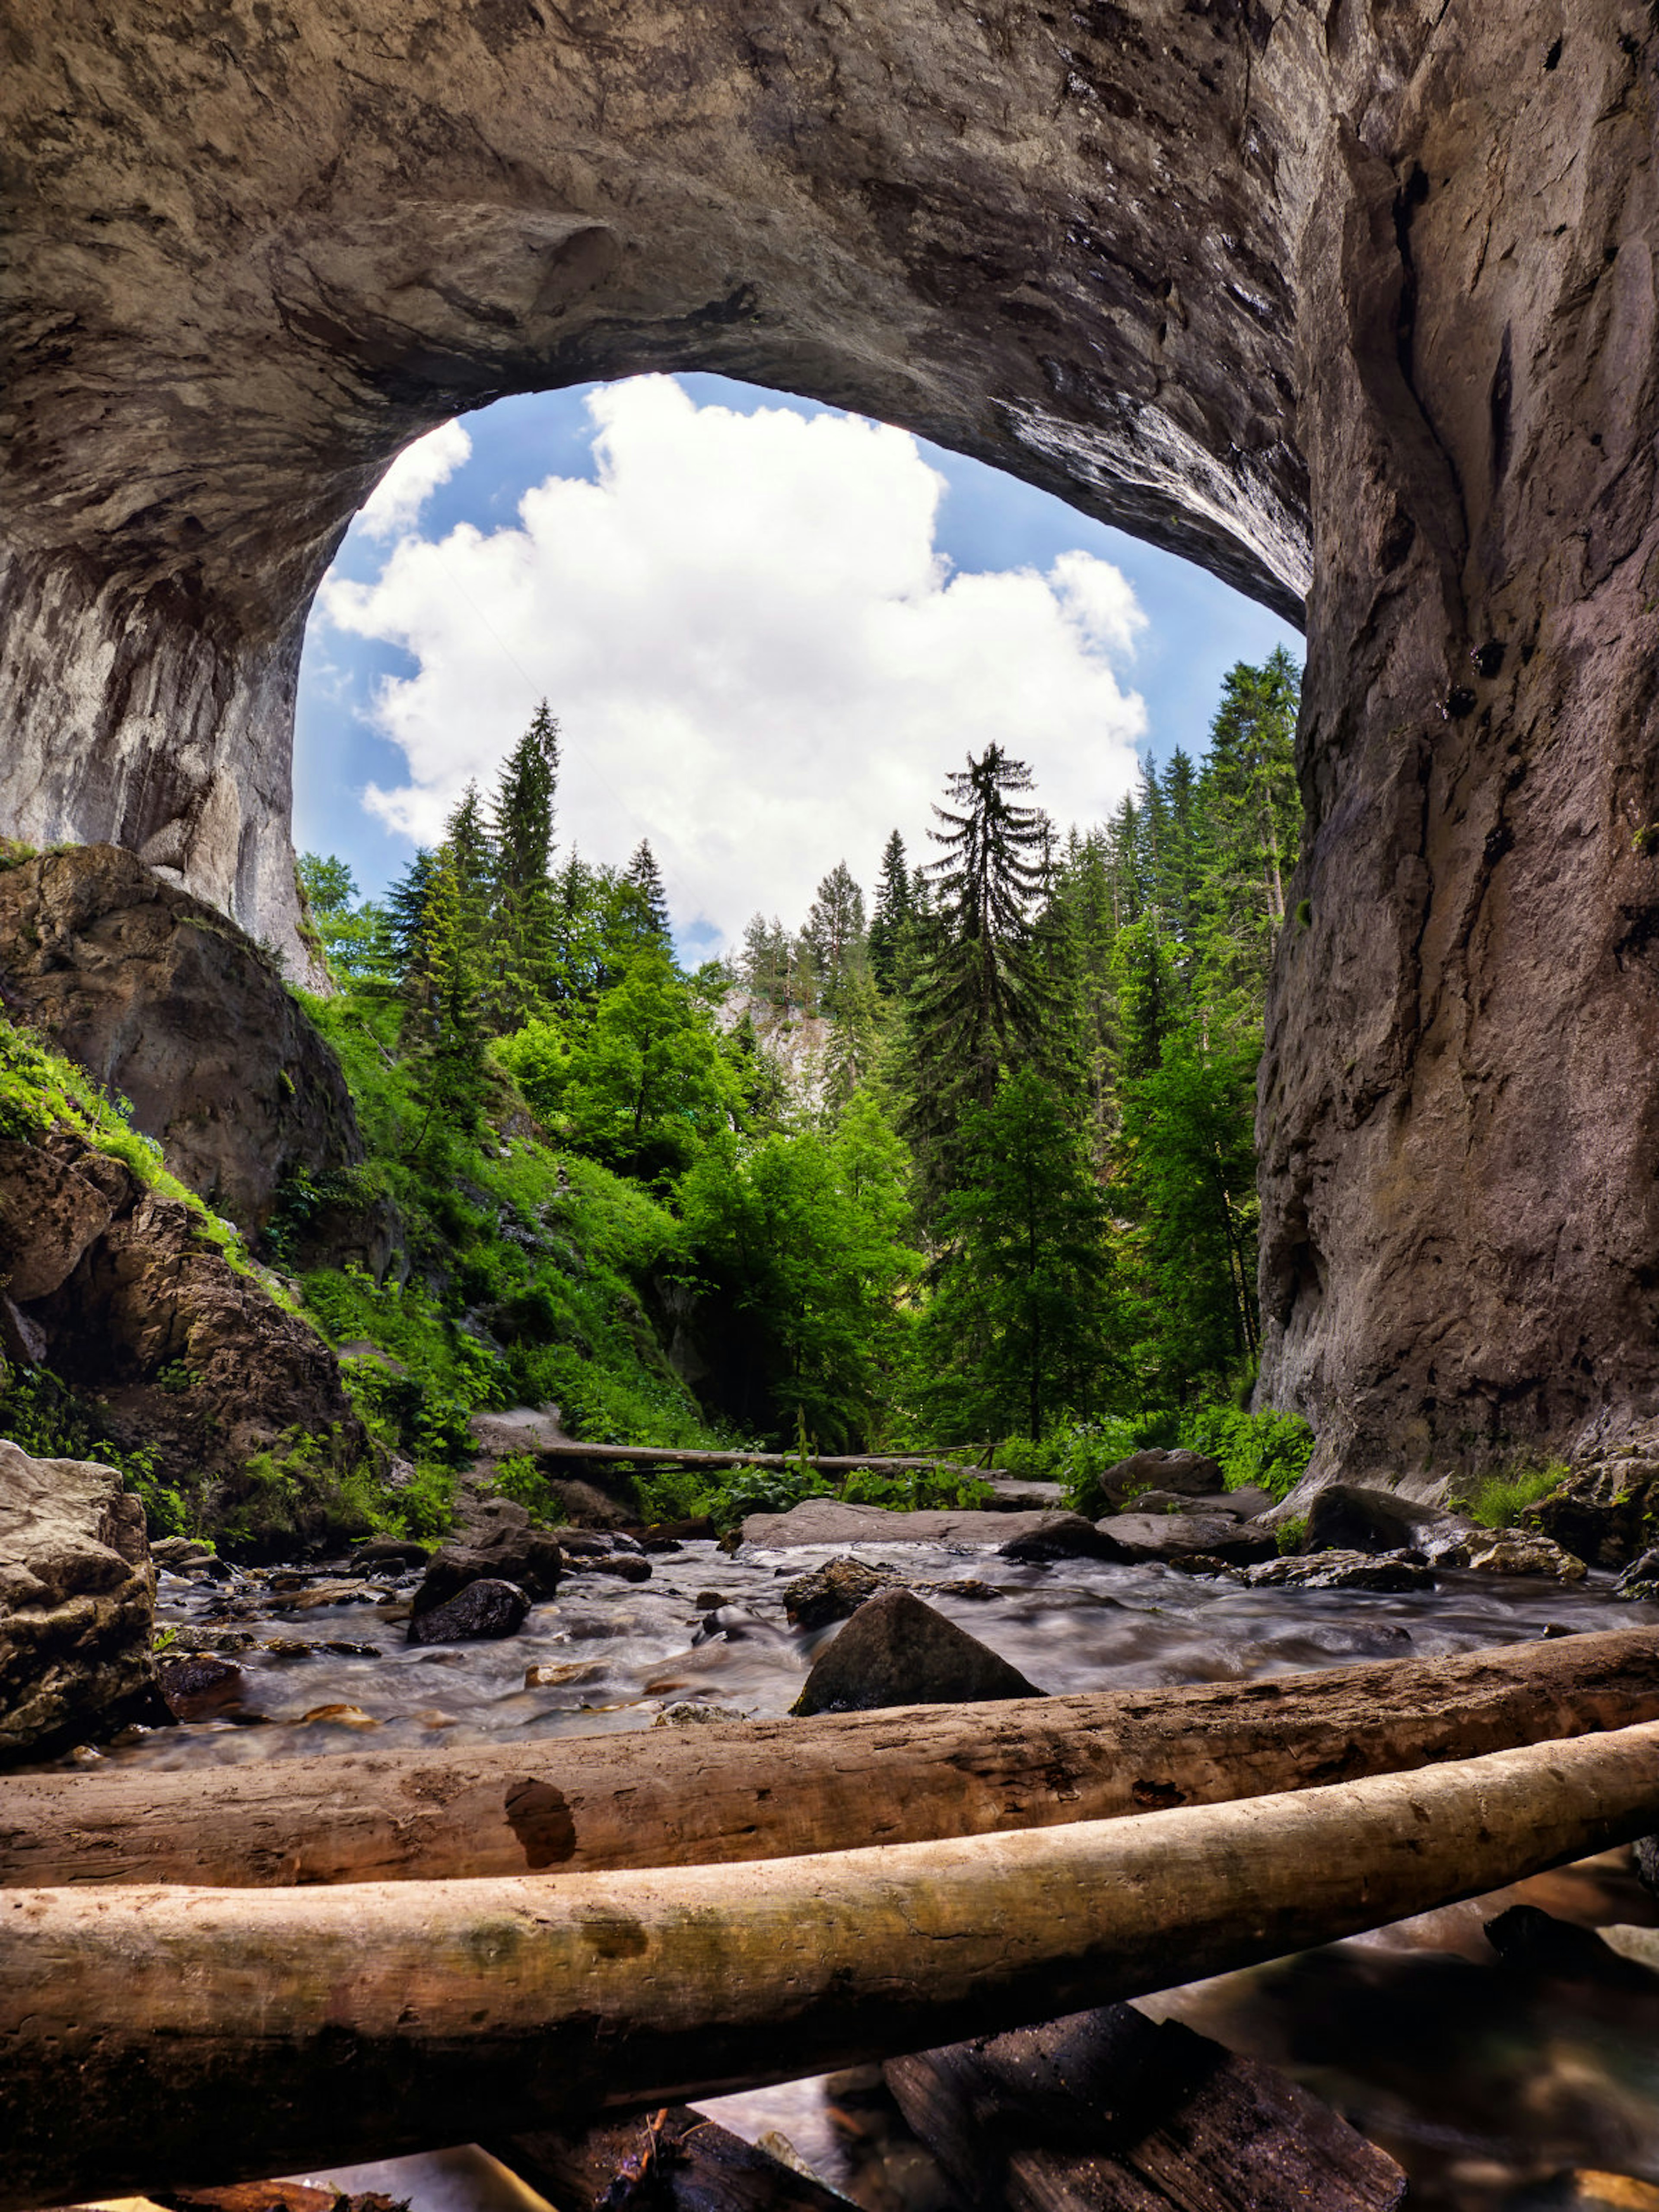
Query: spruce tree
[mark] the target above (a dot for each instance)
(835, 930)
(891, 914)
(984, 998)
(644, 877)
(522, 949)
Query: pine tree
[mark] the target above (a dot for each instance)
(890, 915)
(406, 906)
(835, 930)
(984, 998)
(522, 949)
(643, 876)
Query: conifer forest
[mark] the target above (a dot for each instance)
(960, 1159)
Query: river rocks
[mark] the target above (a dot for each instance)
(1640, 1580)
(1016, 1536)
(1342, 1570)
(833, 1591)
(530, 1559)
(197, 1685)
(896, 1650)
(481, 1610)
(1604, 1513)
(1522, 1552)
(77, 1600)
(1188, 1535)
(165, 1002)
(1183, 1474)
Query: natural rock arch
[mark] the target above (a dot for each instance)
(1354, 297)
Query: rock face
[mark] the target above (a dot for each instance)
(1265, 284)
(77, 1606)
(896, 1650)
(165, 1002)
(150, 1320)
(1607, 1512)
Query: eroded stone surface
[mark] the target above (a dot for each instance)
(77, 1605)
(1371, 282)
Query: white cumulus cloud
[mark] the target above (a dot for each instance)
(394, 505)
(759, 658)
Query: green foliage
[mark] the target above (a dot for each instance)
(1290, 1535)
(47, 1419)
(1020, 1326)
(1268, 1450)
(726, 1498)
(518, 1477)
(795, 1244)
(1497, 1499)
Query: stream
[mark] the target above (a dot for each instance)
(1500, 2086)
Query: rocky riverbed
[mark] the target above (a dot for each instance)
(1519, 2074)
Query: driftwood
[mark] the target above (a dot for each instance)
(674, 2160)
(775, 1789)
(1104, 2112)
(212, 2034)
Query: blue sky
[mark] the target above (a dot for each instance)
(767, 630)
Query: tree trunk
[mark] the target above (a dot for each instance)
(761, 1789)
(1105, 2112)
(212, 2034)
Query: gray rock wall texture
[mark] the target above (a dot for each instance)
(1351, 299)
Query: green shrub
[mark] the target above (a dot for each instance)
(1496, 1500)
(47, 1419)
(1268, 1450)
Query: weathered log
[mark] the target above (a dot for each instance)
(1103, 2112)
(212, 2034)
(763, 1790)
(674, 2160)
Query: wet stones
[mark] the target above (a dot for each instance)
(1522, 1552)
(1605, 1514)
(896, 1650)
(1187, 1474)
(484, 1609)
(1343, 1570)
(833, 1592)
(1172, 1537)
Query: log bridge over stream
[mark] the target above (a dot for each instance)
(206, 1976)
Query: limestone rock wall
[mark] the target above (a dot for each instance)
(1351, 299)
(167, 1004)
(77, 1606)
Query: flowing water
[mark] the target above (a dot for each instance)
(1500, 2086)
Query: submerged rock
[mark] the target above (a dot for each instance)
(483, 1610)
(1355, 1571)
(77, 1605)
(833, 1592)
(896, 1650)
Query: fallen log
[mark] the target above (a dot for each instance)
(1105, 2112)
(763, 1790)
(211, 2035)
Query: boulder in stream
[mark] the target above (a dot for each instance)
(1345, 1518)
(1189, 1536)
(834, 1592)
(896, 1650)
(481, 1611)
(1188, 1473)
(1523, 1551)
(77, 1605)
(1016, 1536)
(1344, 1571)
